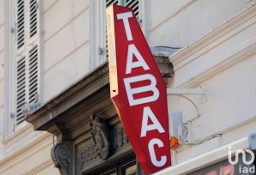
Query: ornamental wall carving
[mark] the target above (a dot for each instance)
(107, 140)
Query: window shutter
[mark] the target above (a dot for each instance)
(27, 87)
(111, 2)
(20, 23)
(134, 5)
(33, 53)
(21, 89)
(33, 75)
(33, 18)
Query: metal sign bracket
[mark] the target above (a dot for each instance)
(192, 91)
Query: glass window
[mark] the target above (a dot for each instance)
(111, 172)
(130, 170)
(123, 168)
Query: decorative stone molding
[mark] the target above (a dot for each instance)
(88, 155)
(161, 55)
(85, 142)
(101, 137)
(90, 84)
(216, 51)
(62, 152)
(62, 157)
(118, 139)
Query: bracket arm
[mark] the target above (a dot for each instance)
(176, 91)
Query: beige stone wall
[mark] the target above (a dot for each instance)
(179, 23)
(220, 58)
(65, 44)
(223, 63)
(31, 158)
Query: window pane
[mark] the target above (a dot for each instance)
(131, 170)
(111, 172)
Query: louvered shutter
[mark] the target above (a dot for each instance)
(21, 61)
(134, 4)
(33, 18)
(20, 23)
(27, 56)
(21, 89)
(33, 53)
(33, 75)
(109, 3)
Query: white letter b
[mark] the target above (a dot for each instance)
(148, 88)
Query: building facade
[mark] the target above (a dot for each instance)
(55, 106)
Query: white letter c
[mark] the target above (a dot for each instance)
(152, 153)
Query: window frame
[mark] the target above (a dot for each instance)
(9, 79)
(119, 167)
(12, 56)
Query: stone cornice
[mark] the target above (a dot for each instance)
(85, 87)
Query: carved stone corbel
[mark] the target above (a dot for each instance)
(62, 157)
(62, 152)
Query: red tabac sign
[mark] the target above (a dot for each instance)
(138, 90)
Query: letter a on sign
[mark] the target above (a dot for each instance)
(138, 91)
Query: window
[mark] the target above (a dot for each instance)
(27, 58)
(99, 52)
(123, 168)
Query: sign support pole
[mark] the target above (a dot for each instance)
(194, 91)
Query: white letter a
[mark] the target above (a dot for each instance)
(132, 50)
(147, 113)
